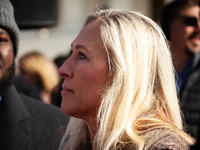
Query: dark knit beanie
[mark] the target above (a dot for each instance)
(7, 22)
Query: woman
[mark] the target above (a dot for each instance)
(119, 87)
(40, 71)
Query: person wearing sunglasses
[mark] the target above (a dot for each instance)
(180, 23)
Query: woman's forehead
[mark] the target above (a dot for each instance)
(89, 36)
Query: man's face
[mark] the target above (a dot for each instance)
(6, 60)
(185, 30)
(6, 52)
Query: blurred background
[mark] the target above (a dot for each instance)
(49, 26)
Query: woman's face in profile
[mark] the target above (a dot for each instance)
(85, 73)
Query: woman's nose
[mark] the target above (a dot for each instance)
(65, 70)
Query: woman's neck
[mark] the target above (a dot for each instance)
(92, 131)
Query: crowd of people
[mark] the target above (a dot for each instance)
(128, 83)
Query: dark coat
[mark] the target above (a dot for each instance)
(28, 124)
(190, 101)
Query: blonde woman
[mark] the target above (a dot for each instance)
(40, 71)
(119, 87)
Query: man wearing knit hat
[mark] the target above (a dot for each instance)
(25, 123)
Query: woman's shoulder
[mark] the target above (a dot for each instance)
(157, 139)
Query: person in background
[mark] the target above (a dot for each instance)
(180, 23)
(59, 60)
(40, 71)
(119, 87)
(25, 123)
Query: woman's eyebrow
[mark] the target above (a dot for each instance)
(79, 46)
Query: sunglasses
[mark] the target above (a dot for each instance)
(189, 21)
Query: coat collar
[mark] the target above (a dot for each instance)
(196, 61)
(15, 121)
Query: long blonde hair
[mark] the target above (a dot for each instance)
(141, 93)
(43, 69)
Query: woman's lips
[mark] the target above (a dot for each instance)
(66, 90)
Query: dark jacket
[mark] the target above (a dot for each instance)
(28, 124)
(190, 99)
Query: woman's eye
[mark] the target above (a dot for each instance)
(82, 56)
